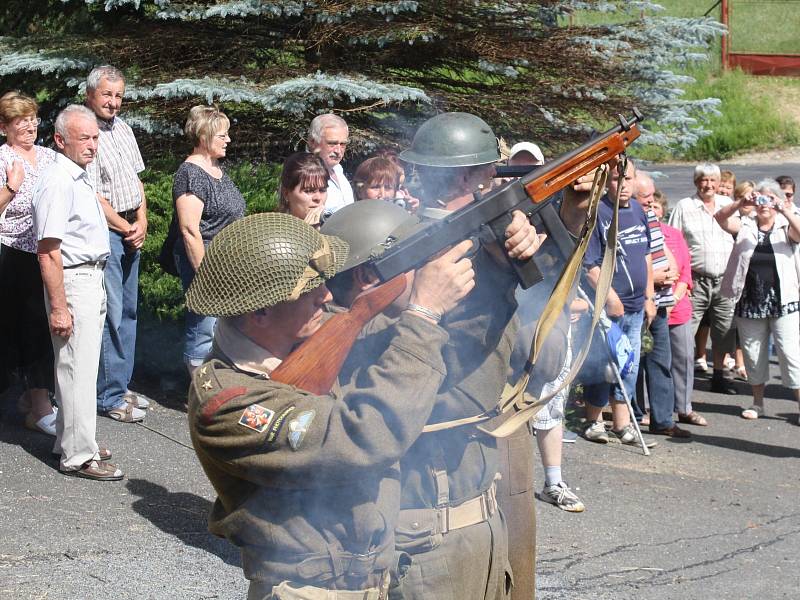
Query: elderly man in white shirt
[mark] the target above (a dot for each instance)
(709, 247)
(328, 137)
(73, 247)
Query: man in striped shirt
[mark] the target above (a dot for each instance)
(115, 176)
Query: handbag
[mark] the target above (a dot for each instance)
(166, 258)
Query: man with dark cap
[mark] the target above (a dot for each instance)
(308, 485)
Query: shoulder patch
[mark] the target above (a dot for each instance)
(211, 407)
(299, 427)
(257, 418)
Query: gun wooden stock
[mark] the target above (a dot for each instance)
(314, 365)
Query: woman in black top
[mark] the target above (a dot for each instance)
(206, 200)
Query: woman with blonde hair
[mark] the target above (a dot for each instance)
(25, 345)
(206, 200)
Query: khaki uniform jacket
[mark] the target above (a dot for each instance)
(308, 486)
(481, 329)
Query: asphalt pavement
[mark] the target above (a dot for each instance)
(715, 517)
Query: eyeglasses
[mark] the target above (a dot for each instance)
(27, 122)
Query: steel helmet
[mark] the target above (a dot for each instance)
(366, 225)
(261, 260)
(453, 140)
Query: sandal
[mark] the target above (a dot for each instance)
(740, 373)
(693, 418)
(127, 413)
(753, 412)
(97, 470)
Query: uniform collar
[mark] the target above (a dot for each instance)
(244, 353)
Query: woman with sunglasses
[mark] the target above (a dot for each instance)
(26, 348)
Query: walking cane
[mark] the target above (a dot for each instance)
(615, 368)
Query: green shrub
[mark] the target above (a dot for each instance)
(161, 294)
(750, 119)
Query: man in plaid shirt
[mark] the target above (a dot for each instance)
(115, 176)
(709, 246)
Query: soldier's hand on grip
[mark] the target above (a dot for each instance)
(440, 284)
(522, 241)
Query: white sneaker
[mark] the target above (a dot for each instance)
(701, 365)
(561, 496)
(729, 363)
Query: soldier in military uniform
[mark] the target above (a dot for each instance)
(449, 520)
(308, 486)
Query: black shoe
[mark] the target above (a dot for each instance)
(721, 386)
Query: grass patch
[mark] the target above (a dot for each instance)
(764, 26)
(751, 116)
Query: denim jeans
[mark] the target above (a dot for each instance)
(198, 330)
(119, 332)
(655, 369)
(597, 394)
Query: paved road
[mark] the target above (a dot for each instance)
(676, 180)
(714, 518)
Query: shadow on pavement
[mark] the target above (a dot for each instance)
(182, 514)
(748, 446)
(38, 445)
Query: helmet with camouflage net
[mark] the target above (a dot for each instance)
(261, 260)
(366, 226)
(453, 140)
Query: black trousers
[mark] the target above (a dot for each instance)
(25, 346)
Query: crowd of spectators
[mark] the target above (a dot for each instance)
(724, 260)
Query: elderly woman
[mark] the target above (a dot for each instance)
(24, 331)
(304, 188)
(382, 178)
(206, 200)
(761, 277)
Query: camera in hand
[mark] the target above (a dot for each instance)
(762, 200)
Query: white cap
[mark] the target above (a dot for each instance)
(529, 147)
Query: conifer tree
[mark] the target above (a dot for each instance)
(384, 64)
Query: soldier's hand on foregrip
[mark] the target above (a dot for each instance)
(583, 184)
(522, 240)
(441, 283)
